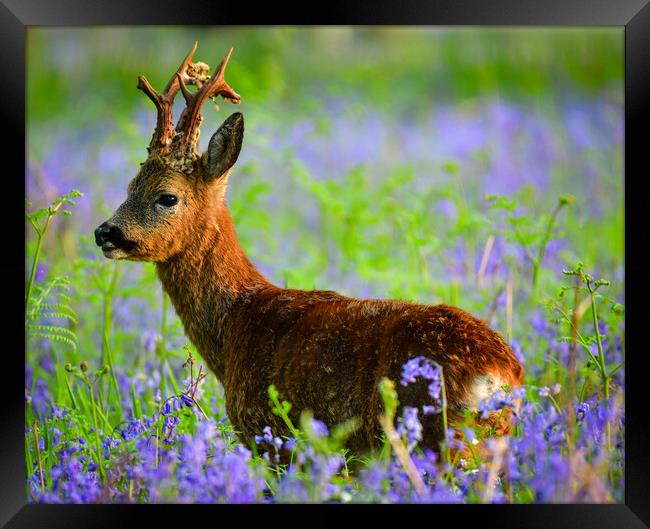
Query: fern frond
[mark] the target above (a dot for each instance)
(59, 315)
(51, 300)
(63, 296)
(45, 309)
(56, 338)
(53, 329)
(57, 306)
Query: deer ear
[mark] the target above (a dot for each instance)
(225, 144)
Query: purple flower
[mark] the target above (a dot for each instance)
(108, 443)
(186, 400)
(171, 405)
(410, 427)
(58, 412)
(319, 428)
(267, 435)
(582, 410)
(169, 425)
(427, 369)
(498, 400)
(132, 430)
(470, 435)
(150, 339)
(41, 272)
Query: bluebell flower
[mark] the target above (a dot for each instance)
(187, 401)
(429, 370)
(132, 430)
(410, 427)
(267, 436)
(319, 428)
(582, 410)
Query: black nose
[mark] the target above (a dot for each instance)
(105, 233)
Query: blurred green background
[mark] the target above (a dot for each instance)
(91, 72)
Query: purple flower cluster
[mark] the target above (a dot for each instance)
(410, 427)
(208, 473)
(311, 478)
(144, 462)
(429, 370)
(274, 444)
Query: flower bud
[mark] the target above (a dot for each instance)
(566, 200)
(84, 365)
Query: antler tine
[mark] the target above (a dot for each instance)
(189, 96)
(218, 84)
(144, 85)
(191, 117)
(172, 87)
(162, 137)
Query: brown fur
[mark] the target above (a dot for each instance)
(323, 351)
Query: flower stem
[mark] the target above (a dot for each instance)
(107, 356)
(97, 441)
(38, 455)
(403, 455)
(544, 243)
(444, 418)
(37, 255)
(601, 359)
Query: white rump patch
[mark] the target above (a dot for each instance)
(483, 387)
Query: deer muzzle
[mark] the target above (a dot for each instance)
(111, 238)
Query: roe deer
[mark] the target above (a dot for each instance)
(322, 350)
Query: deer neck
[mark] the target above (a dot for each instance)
(205, 281)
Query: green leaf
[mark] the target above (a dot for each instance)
(56, 338)
(137, 407)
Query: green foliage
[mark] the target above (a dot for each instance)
(47, 306)
(281, 408)
(529, 233)
(51, 303)
(269, 64)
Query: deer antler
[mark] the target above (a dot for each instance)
(190, 120)
(184, 141)
(162, 137)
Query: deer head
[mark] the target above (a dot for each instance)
(178, 190)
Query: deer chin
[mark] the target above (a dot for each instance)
(123, 250)
(113, 252)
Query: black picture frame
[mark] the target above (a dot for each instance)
(634, 15)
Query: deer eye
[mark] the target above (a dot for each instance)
(167, 200)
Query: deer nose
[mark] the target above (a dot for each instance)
(105, 233)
